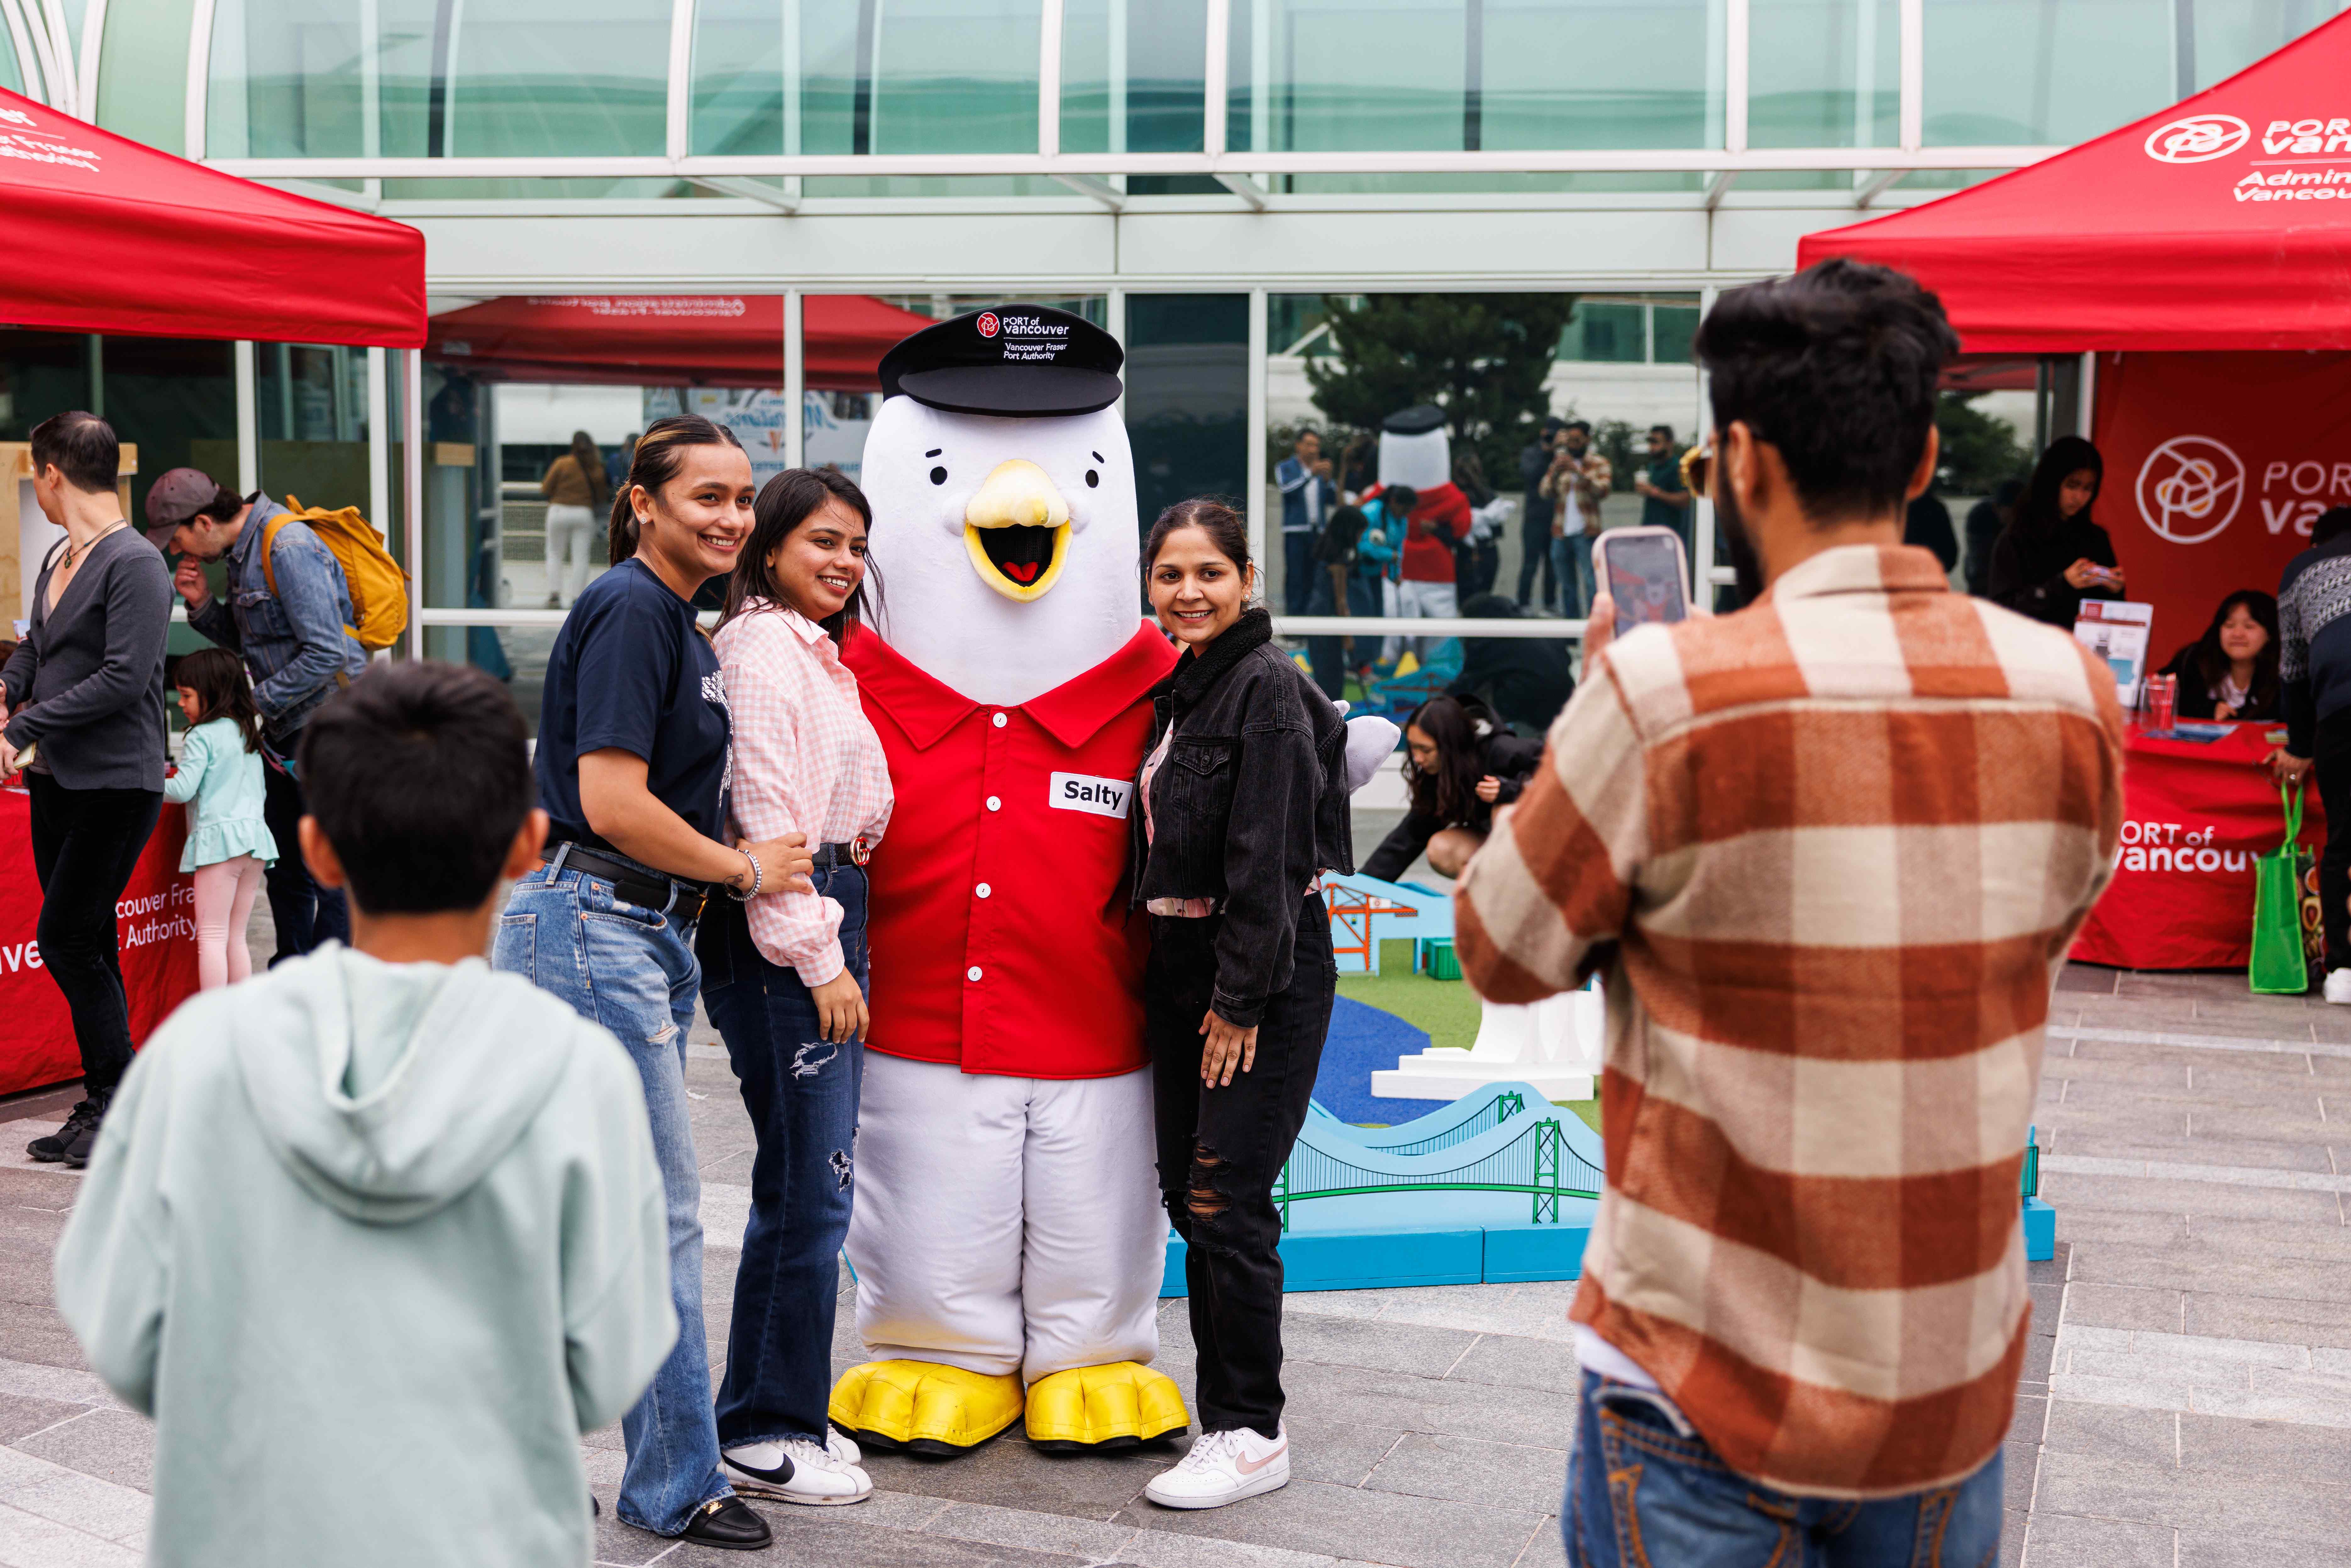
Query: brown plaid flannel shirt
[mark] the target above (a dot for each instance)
(1831, 850)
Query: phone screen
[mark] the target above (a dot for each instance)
(1644, 579)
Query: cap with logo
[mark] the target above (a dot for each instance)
(176, 497)
(1016, 360)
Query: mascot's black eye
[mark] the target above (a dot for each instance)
(1093, 480)
(939, 476)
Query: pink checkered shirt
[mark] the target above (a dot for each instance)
(806, 761)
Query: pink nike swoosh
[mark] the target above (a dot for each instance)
(1248, 1468)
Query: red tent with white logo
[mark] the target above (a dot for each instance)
(102, 235)
(2223, 222)
(700, 340)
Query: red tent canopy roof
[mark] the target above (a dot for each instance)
(699, 340)
(104, 234)
(2223, 222)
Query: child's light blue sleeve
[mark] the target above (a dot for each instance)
(110, 1270)
(196, 756)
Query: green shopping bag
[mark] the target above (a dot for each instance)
(2278, 968)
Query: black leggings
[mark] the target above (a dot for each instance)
(1221, 1150)
(85, 842)
(2333, 778)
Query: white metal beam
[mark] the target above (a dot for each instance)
(795, 380)
(1720, 186)
(1914, 79)
(1735, 59)
(1255, 460)
(1049, 77)
(678, 122)
(1876, 185)
(1246, 188)
(1215, 86)
(193, 108)
(248, 420)
(783, 201)
(1095, 187)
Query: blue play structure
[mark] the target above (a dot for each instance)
(1366, 912)
(1498, 1186)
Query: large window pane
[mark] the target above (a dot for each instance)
(911, 76)
(2003, 72)
(1824, 73)
(1187, 397)
(295, 78)
(1132, 80)
(1449, 75)
(313, 407)
(556, 78)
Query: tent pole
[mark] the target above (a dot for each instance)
(412, 488)
(795, 380)
(248, 421)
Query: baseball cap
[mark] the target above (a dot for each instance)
(178, 495)
(1020, 360)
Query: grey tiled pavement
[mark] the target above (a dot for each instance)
(2187, 1401)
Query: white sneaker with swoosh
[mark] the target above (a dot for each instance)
(1222, 1467)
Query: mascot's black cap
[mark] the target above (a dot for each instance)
(1417, 420)
(1016, 360)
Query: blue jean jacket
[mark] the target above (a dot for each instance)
(294, 641)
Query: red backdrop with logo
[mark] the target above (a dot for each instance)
(155, 922)
(2216, 465)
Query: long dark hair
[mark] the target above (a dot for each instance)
(784, 503)
(2037, 514)
(1449, 791)
(660, 454)
(2210, 661)
(217, 677)
(591, 465)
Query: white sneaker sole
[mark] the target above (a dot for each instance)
(1262, 1482)
(748, 1484)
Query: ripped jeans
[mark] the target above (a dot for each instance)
(631, 970)
(1644, 1490)
(1221, 1150)
(801, 1092)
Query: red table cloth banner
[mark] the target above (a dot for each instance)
(2194, 816)
(155, 921)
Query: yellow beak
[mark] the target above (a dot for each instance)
(1023, 565)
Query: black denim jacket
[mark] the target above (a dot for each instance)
(1251, 804)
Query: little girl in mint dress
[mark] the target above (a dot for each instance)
(219, 781)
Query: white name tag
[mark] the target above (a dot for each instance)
(1082, 792)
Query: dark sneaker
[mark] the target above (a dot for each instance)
(82, 1127)
(729, 1523)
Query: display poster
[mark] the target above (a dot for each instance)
(2117, 634)
(2217, 464)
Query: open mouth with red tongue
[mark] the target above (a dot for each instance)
(1022, 554)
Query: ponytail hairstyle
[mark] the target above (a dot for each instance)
(659, 456)
(217, 677)
(784, 503)
(1225, 527)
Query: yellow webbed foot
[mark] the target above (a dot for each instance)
(924, 1406)
(1114, 1407)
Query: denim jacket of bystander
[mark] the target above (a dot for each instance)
(296, 640)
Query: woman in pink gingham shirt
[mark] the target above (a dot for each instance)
(783, 975)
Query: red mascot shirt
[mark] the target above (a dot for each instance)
(1440, 520)
(1000, 936)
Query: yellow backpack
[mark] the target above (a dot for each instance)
(379, 589)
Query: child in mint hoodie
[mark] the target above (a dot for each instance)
(376, 1236)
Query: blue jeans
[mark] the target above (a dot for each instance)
(1571, 563)
(801, 1092)
(631, 970)
(1299, 571)
(1643, 1491)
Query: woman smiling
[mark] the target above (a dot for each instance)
(784, 975)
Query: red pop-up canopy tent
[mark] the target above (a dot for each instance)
(722, 341)
(2223, 222)
(102, 235)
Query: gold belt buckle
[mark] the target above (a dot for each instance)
(859, 852)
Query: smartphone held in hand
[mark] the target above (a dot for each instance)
(1646, 572)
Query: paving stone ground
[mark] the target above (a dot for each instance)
(2187, 1403)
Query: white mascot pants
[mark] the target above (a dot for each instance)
(1005, 1224)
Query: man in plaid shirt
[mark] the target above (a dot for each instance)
(1830, 851)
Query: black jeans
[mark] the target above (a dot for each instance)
(86, 843)
(1534, 534)
(1221, 1150)
(801, 1092)
(304, 913)
(2332, 766)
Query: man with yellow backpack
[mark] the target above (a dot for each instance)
(310, 595)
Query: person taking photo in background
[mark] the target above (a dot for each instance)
(84, 691)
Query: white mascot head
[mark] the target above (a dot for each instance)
(1003, 498)
(1415, 451)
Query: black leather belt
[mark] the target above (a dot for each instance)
(855, 853)
(669, 895)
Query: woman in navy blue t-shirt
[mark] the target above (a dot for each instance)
(632, 767)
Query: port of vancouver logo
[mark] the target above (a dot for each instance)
(988, 324)
(2198, 139)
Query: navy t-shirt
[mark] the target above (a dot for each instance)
(631, 671)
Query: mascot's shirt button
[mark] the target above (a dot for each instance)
(1000, 721)
(972, 973)
(983, 890)
(994, 804)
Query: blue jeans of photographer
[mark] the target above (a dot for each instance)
(633, 970)
(1571, 559)
(1644, 1488)
(801, 1092)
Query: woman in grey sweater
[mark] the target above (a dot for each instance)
(85, 693)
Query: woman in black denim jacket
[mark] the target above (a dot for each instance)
(1241, 801)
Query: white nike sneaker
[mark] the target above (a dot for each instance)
(1222, 1467)
(797, 1472)
(2338, 987)
(838, 1444)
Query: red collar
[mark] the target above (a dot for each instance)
(926, 709)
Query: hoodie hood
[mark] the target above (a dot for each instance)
(389, 1090)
